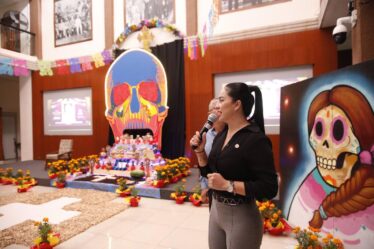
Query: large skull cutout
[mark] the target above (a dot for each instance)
(335, 145)
(136, 93)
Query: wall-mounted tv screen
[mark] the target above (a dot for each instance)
(68, 112)
(270, 82)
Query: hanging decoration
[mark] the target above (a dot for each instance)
(45, 68)
(19, 67)
(149, 24)
(201, 39)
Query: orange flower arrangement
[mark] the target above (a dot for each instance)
(179, 195)
(195, 197)
(310, 239)
(123, 190)
(274, 222)
(46, 239)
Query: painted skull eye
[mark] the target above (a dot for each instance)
(318, 127)
(120, 93)
(149, 91)
(338, 130)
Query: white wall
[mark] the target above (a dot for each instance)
(119, 12)
(97, 44)
(25, 97)
(276, 14)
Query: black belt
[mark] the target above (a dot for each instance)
(228, 200)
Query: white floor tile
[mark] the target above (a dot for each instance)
(155, 224)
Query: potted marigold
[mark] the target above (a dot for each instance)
(179, 195)
(28, 179)
(161, 175)
(22, 187)
(310, 239)
(195, 197)
(47, 239)
(8, 178)
(61, 179)
(274, 223)
(134, 199)
(123, 190)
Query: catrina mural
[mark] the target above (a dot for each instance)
(136, 93)
(335, 193)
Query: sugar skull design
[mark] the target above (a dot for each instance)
(338, 194)
(136, 93)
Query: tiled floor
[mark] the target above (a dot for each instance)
(155, 224)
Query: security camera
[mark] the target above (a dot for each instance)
(340, 31)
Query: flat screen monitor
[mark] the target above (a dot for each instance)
(68, 112)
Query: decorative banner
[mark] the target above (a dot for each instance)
(98, 59)
(75, 67)
(45, 68)
(5, 66)
(202, 38)
(62, 67)
(86, 63)
(20, 68)
(153, 23)
(15, 67)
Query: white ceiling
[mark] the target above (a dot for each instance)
(331, 10)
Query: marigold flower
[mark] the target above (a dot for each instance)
(45, 219)
(329, 236)
(296, 230)
(316, 230)
(313, 237)
(336, 241)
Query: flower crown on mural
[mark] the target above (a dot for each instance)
(152, 23)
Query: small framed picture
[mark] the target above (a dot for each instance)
(139, 10)
(72, 21)
(227, 6)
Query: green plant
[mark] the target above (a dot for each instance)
(9, 172)
(44, 228)
(307, 238)
(122, 184)
(61, 177)
(19, 174)
(134, 192)
(180, 189)
(197, 189)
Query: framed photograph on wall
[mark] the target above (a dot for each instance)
(72, 21)
(227, 6)
(138, 10)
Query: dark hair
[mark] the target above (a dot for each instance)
(243, 92)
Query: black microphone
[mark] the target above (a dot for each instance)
(208, 125)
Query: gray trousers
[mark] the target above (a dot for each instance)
(235, 227)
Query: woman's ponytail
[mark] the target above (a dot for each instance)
(258, 114)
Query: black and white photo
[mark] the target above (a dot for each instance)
(73, 21)
(138, 10)
(227, 6)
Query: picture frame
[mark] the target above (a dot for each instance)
(228, 6)
(72, 21)
(139, 10)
